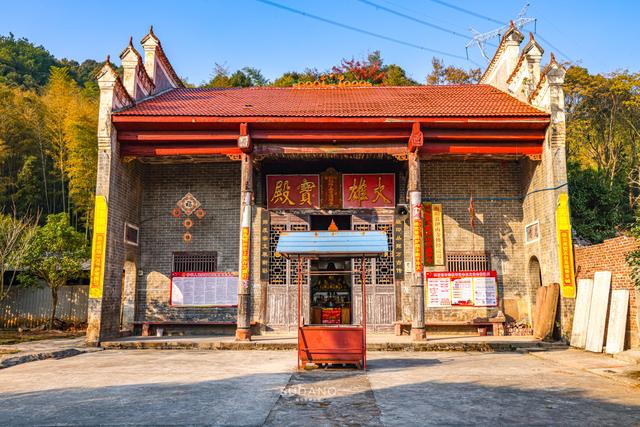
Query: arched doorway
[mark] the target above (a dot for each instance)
(128, 298)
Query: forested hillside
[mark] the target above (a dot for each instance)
(48, 120)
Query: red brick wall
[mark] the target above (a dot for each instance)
(611, 256)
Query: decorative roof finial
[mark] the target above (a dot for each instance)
(108, 61)
(151, 29)
(531, 36)
(511, 24)
(131, 41)
(553, 59)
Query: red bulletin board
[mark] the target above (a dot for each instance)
(204, 289)
(368, 190)
(465, 289)
(293, 191)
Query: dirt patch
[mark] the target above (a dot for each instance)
(15, 337)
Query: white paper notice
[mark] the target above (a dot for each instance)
(439, 292)
(462, 291)
(204, 290)
(485, 291)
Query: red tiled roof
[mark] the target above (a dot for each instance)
(407, 101)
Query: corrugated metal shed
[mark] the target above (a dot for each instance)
(333, 243)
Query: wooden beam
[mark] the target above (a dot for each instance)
(329, 135)
(130, 150)
(481, 148)
(178, 135)
(273, 149)
(484, 135)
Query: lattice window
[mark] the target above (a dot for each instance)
(357, 262)
(294, 262)
(384, 264)
(277, 263)
(205, 261)
(468, 261)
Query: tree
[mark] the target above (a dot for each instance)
(70, 123)
(246, 77)
(598, 211)
(369, 69)
(16, 238)
(22, 64)
(396, 76)
(56, 256)
(441, 75)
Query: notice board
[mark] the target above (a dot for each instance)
(462, 289)
(204, 289)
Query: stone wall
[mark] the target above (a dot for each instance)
(498, 225)
(611, 256)
(216, 186)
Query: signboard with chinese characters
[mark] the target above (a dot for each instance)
(330, 189)
(293, 192)
(438, 292)
(565, 247)
(462, 289)
(264, 244)
(368, 190)
(438, 234)
(98, 247)
(204, 289)
(428, 234)
(398, 248)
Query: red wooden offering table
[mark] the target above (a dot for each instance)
(333, 343)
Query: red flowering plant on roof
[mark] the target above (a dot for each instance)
(369, 69)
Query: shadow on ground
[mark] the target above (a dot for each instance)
(319, 398)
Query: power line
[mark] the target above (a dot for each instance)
(360, 30)
(468, 12)
(419, 13)
(411, 18)
(472, 13)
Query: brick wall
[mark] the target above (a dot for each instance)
(610, 256)
(217, 187)
(498, 224)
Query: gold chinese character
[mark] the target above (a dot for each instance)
(378, 192)
(358, 191)
(281, 193)
(305, 190)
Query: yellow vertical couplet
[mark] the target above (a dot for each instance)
(98, 247)
(565, 247)
(244, 274)
(438, 234)
(417, 237)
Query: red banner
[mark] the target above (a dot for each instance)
(293, 192)
(368, 190)
(428, 234)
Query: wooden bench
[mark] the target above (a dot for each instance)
(497, 325)
(147, 325)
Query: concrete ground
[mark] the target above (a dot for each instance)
(262, 388)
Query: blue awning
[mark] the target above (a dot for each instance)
(333, 243)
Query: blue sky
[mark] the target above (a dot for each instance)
(196, 34)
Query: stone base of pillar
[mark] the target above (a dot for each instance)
(418, 334)
(243, 334)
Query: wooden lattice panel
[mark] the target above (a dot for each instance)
(277, 263)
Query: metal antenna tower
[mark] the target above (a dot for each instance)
(479, 39)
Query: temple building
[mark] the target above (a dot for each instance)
(196, 185)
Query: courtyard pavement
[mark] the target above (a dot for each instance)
(153, 387)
